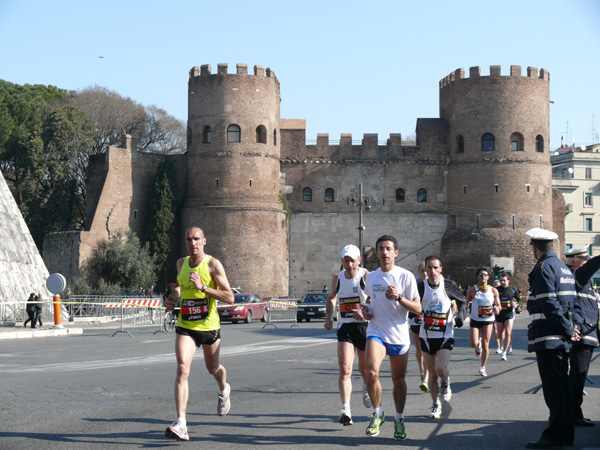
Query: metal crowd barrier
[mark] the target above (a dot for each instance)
(282, 310)
(14, 311)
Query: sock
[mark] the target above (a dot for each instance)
(398, 416)
(182, 421)
(346, 406)
(446, 382)
(378, 411)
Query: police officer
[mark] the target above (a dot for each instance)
(581, 353)
(551, 307)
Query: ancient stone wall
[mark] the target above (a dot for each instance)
(317, 239)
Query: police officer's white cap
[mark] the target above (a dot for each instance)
(352, 251)
(539, 234)
(577, 252)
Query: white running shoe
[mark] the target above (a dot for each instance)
(482, 371)
(366, 399)
(345, 417)
(177, 432)
(499, 350)
(224, 402)
(436, 410)
(503, 356)
(446, 391)
(478, 349)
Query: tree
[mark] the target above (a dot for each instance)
(152, 128)
(163, 212)
(123, 261)
(44, 145)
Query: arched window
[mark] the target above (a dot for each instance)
(539, 143)
(329, 194)
(460, 144)
(207, 135)
(234, 133)
(422, 195)
(516, 142)
(274, 137)
(488, 142)
(400, 195)
(261, 134)
(307, 194)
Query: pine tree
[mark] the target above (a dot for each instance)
(163, 212)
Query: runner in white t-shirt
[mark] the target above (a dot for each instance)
(393, 293)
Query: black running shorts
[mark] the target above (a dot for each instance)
(200, 337)
(355, 333)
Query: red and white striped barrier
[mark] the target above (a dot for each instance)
(136, 303)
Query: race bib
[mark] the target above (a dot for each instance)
(484, 311)
(196, 309)
(348, 306)
(435, 321)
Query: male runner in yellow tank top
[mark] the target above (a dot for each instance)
(201, 281)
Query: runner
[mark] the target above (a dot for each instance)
(393, 293)
(348, 287)
(509, 300)
(414, 321)
(201, 281)
(486, 303)
(439, 300)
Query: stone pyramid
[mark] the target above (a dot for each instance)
(22, 269)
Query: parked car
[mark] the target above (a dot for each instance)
(312, 306)
(245, 307)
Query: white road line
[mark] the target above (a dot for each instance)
(259, 347)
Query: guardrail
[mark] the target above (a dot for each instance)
(282, 310)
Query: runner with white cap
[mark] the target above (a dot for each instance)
(347, 289)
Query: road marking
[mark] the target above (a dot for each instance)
(259, 347)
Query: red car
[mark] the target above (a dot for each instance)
(245, 307)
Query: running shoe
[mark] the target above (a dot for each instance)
(346, 417)
(375, 424)
(224, 403)
(436, 410)
(399, 429)
(503, 356)
(510, 349)
(482, 371)
(424, 386)
(446, 391)
(177, 432)
(366, 398)
(499, 350)
(478, 349)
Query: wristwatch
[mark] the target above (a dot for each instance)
(204, 287)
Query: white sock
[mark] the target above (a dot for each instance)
(378, 411)
(182, 421)
(398, 416)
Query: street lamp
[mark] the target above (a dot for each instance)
(363, 205)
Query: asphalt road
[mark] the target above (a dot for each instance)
(96, 391)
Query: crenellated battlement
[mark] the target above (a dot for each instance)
(495, 72)
(222, 70)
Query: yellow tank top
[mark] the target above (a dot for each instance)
(198, 310)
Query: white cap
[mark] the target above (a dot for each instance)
(539, 234)
(577, 252)
(352, 251)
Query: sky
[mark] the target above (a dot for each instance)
(345, 66)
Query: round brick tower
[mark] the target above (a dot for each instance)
(233, 175)
(499, 173)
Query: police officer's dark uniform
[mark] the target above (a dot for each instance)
(581, 353)
(551, 306)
